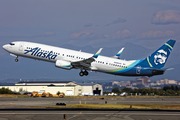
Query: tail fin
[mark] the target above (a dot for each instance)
(160, 56)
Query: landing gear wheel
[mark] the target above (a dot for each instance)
(86, 73)
(81, 73)
(16, 60)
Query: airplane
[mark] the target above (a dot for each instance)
(71, 59)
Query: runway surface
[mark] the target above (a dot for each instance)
(11, 109)
(88, 115)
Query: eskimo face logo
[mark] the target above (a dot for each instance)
(160, 57)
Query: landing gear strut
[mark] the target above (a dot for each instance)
(16, 59)
(82, 73)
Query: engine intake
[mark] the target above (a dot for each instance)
(63, 64)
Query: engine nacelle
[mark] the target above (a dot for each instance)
(63, 64)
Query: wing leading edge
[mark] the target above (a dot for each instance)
(86, 64)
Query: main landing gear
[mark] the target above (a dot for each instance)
(16, 59)
(82, 73)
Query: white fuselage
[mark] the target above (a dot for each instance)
(101, 64)
(71, 59)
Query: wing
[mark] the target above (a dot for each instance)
(85, 64)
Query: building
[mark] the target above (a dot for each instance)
(115, 83)
(45, 83)
(164, 81)
(142, 80)
(91, 89)
(172, 82)
(69, 88)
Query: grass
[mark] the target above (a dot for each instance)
(110, 106)
(106, 106)
(13, 96)
(122, 106)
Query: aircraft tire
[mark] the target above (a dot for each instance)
(86, 73)
(16, 60)
(81, 74)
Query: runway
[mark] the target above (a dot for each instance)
(17, 109)
(88, 115)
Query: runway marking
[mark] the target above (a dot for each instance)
(90, 114)
(72, 117)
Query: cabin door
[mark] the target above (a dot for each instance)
(138, 70)
(21, 47)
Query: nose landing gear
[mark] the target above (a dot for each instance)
(82, 73)
(16, 59)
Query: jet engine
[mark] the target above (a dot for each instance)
(63, 64)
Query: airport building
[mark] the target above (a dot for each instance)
(69, 88)
(91, 89)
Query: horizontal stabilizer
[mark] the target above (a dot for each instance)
(162, 69)
(159, 71)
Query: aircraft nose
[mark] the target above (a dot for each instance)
(5, 47)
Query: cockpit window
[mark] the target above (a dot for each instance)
(11, 43)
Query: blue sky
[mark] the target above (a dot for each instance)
(96, 23)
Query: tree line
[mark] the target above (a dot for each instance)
(6, 91)
(165, 91)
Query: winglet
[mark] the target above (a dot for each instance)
(119, 53)
(97, 54)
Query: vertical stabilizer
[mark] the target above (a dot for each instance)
(160, 56)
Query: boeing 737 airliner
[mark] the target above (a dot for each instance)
(71, 59)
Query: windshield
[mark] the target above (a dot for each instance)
(11, 43)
